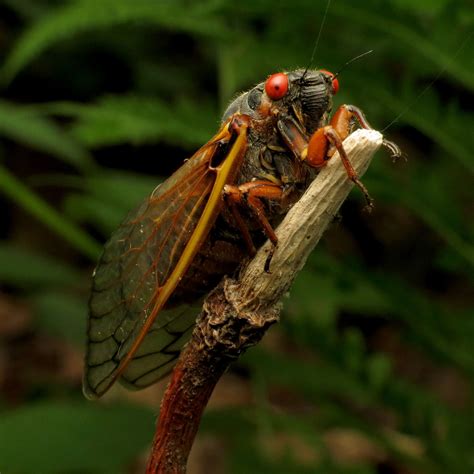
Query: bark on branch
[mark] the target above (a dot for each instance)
(237, 313)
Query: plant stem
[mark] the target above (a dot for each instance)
(238, 312)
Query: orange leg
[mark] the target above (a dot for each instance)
(319, 149)
(320, 141)
(249, 195)
(341, 122)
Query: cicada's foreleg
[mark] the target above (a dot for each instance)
(250, 195)
(341, 122)
(318, 150)
(320, 142)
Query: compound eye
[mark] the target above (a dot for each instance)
(335, 82)
(276, 86)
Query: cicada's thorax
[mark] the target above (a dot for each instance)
(268, 157)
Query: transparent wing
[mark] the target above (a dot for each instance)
(129, 334)
(161, 347)
(136, 261)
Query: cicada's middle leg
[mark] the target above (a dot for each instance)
(250, 195)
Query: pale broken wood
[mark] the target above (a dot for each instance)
(256, 295)
(238, 312)
(305, 223)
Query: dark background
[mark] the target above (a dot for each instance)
(370, 370)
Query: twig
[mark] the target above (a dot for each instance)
(237, 313)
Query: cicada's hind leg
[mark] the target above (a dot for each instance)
(250, 195)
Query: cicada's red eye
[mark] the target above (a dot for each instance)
(335, 82)
(276, 86)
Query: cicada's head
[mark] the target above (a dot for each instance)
(304, 94)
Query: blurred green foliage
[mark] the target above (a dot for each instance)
(103, 98)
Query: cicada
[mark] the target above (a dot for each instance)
(204, 220)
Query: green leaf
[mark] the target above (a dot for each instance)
(410, 37)
(450, 324)
(353, 350)
(31, 202)
(103, 215)
(25, 269)
(311, 379)
(303, 299)
(422, 6)
(124, 189)
(139, 120)
(61, 315)
(439, 211)
(59, 437)
(21, 124)
(109, 197)
(87, 15)
(378, 370)
(28, 9)
(419, 312)
(323, 288)
(425, 113)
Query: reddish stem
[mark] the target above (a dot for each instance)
(221, 335)
(184, 401)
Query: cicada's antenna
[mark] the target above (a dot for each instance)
(352, 60)
(430, 85)
(316, 44)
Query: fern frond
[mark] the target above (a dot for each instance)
(87, 15)
(23, 125)
(138, 120)
(24, 197)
